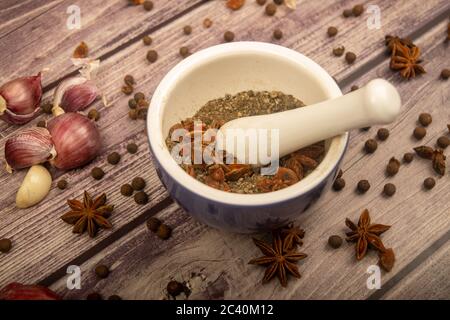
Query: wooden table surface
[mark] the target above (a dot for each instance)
(33, 36)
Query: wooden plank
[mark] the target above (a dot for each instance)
(26, 227)
(417, 217)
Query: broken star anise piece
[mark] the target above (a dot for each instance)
(406, 60)
(393, 42)
(91, 214)
(292, 236)
(364, 234)
(277, 261)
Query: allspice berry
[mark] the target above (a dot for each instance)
(127, 89)
(335, 241)
(138, 96)
(133, 114)
(271, 9)
(408, 157)
(138, 183)
(347, 13)
(129, 80)
(97, 173)
(164, 231)
(5, 245)
(339, 51)
(132, 104)
(370, 146)
(62, 184)
(338, 184)
(174, 288)
(261, 2)
(102, 271)
(392, 167)
(350, 57)
(278, 2)
(443, 142)
(332, 31)
(126, 190)
(358, 10)
(113, 158)
(382, 134)
(141, 197)
(429, 183)
(363, 186)
(147, 40)
(389, 189)
(132, 148)
(184, 52)
(445, 74)
(419, 133)
(148, 5)
(425, 119)
(153, 224)
(187, 30)
(277, 34)
(207, 23)
(228, 36)
(152, 56)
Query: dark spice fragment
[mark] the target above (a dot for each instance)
(339, 51)
(235, 4)
(354, 88)
(335, 241)
(278, 2)
(139, 96)
(429, 183)
(271, 9)
(41, 124)
(138, 183)
(97, 173)
(338, 184)
(164, 231)
(389, 189)
(114, 297)
(47, 107)
(228, 36)
(126, 190)
(132, 104)
(152, 56)
(439, 161)
(147, 40)
(184, 52)
(332, 31)
(127, 89)
(392, 167)
(142, 103)
(129, 80)
(425, 119)
(113, 158)
(207, 23)
(358, 10)
(133, 114)
(387, 259)
(261, 2)
(174, 288)
(187, 30)
(419, 133)
(277, 34)
(424, 152)
(94, 296)
(363, 186)
(142, 113)
(382, 134)
(148, 5)
(81, 51)
(5, 245)
(141, 197)
(62, 184)
(94, 115)
(102, 271)
(443, 142)
(445, 74)
(350, 57)
(132, 148)
(347, 13)
(153, 224)
(408, 157)
(370, 146)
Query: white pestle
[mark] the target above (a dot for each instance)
(376, 103)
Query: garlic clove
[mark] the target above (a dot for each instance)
(29, 147)
(75, 94)
(34, 188)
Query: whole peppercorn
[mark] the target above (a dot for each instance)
(358, 10)
(127, 89)
(338, 184)
(207, 23)
(363, 186)
(153, 224)
(347, 13)
(174, 288)
(392, 167)
(350, 57)
(278, 2)
(147, 40)
(129, 80)
(114, 297)
(101, 271)
(382, 134)
(271, 9)
(425, 119)
(184, 52)
(339, 51)
(142, 103)
(132, 148)
(332, 31)
(389, 189)
(445, 74)
(62, 184)
(93, 114)
(132, 104)
(164, 231)
(142, 113)
(139, 96)
(152, 56)
(354, 88)
(429, 183)
(228, 36)
(113, 158)
(335, 241)
(5, 245)
(94, 296)
(133, 114)
(408, 157)
(277, 34)
(138, 183)
(47, 107)
(419, 133)
(370, 146)
(126, 190)
(148, 5)
(141, 197)
(261, 2)
(97, 173)
(187, 30)
(443, 142)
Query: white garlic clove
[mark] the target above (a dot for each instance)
(35, 187)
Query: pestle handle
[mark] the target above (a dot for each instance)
(376, 103)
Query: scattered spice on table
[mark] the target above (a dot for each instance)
(350, 57)
(153, 224)
(94, 296)
(235, 4)
(338, 184)
(425, 119)
(132, 104)
(126, 190)
(101, 271)
(113, 158)
(408, 157)
(392, 167)
(148, 5)
(335, 241)
(132, 148)
(138, 183)
(47, 107)
(147, 40)
(419, 133)
(386, 259)
(445, 74)
(332, 31)
(383, 134)
(370, 146)
(133, 114)
(94, 115)
(228, 36)
(187, 30)
(139, 96)
(347, 13)
(127, 89)
(184, 52)
(175, 288)
(292, 236)
(339, 51)
(141, 197)
(41, 124)
(62, 184)
(429, 183)
(443, 142)
(278, 34)
(81, 51)
(271, 9)
(261, 2)
(152, 56)
(129, 80)
(363, 186)
(114, 297)
(278, 2)
(207, 23)
(389, 189)
(358, 10)
(354, 88)
(97, 173)
(406, 61)
(5, 245)
(89, 214)
(436, 156)
(164, 231)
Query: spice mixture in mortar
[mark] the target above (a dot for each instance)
(242, 178)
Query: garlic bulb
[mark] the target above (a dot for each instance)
(34, 188)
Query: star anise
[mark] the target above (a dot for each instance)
(407, 61)
(91, 214)
(393, 42)
(292, 236)
(277, 261)
(365, 233)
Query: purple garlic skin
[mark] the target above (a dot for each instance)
(75, 94)
(20, 99)
(29, 147)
